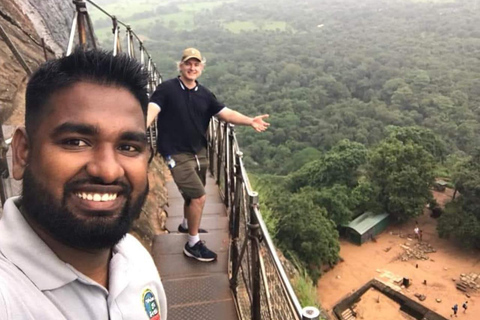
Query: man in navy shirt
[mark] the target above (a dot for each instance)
(184, 109)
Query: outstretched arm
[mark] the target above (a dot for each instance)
(235, 117)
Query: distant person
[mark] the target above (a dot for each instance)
(64, 248)
(417, 232)
(420, 234)
(455, 310)
(465, 306)
(184, 108)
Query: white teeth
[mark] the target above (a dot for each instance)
(97, 196)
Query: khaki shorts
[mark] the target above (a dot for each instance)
(190, 173)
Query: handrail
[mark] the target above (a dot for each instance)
(258, 280)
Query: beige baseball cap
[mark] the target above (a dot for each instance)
(190, 53)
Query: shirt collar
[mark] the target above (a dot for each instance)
(182, 85)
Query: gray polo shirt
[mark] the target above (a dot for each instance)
(36, 285)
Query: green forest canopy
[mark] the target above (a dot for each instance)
(368, 99)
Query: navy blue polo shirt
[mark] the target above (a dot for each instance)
(184, 116)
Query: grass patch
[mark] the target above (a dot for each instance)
(122, 9)
(125, 11)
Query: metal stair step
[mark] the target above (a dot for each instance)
(185, 291)
(172, 243)
(172, 263)
(218, 310)
(175, 266)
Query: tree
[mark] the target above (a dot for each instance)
(303, 228)
(336, 200)
(402, 172)
(461, 219)
(421, 136)
(338, 166)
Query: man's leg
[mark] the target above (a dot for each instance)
(190, 177)
(195, 248)
(193, 213)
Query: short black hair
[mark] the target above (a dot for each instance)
(95, 66)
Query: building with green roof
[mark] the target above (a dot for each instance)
(366, 226)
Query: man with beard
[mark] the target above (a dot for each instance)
(64, 248)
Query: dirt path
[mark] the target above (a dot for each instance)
(380, 260)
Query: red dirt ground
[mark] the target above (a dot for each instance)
(376, 260)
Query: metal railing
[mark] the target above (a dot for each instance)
(258, 280)
(82, 30)
(5, 186)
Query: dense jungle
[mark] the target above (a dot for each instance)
(370, 102)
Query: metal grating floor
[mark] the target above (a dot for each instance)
(195, 290)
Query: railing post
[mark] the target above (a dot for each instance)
(255, 271)
(231, 173)
(14, 50)
(81, 8)
(4, 192)
(310, 313)
(235, 212)
(226, 168)
(219, 155)
(116, 36)
(130, 42)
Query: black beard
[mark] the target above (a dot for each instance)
(59, 222)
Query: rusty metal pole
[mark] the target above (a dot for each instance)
(255, 245)
(81, 7)
(226, 165)
(219, 155)
(44, 49)
(235, 213)
(231, 173)
(14, 50)
(90, 29)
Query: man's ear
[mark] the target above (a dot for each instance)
(20, 150)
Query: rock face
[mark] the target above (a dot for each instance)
(22, 33)
(52, 19)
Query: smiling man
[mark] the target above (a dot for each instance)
(64, 248)
(184, 109)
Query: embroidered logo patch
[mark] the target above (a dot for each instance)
(151, 305)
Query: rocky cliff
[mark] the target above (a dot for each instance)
(26, 23)
(51, 19)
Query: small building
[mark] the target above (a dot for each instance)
(440, 185)
(366, 226)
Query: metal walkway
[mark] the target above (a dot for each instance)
(195, 290)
